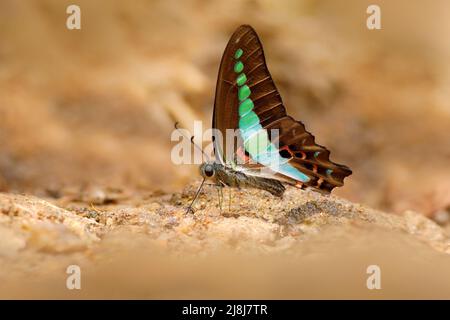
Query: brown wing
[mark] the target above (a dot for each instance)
(295, 143)
(225, 115)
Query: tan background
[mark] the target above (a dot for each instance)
(93, 110)
(98, 105)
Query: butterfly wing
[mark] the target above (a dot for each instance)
(225, 115)
(247, 99)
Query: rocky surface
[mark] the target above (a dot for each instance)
(110, 232)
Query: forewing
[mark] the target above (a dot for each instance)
(247, 99)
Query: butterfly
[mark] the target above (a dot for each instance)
(248, 101)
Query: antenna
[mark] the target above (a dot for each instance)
(192, 141)
(190, 209)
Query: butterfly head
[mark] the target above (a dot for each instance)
(208, 170)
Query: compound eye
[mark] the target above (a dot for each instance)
(209, 171)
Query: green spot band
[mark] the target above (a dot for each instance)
(244, 92)
(247, 133)
(257, 143)
(238, 53)
(245, 107)
(256, 139)
(248, 121)
(238, 67)
(272, 149)
(241, 79)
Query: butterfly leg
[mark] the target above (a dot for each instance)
(220, 186)
(220, 194)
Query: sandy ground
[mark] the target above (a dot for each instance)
(86, 175)
(145, 246)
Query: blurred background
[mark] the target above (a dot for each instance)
(96, 106)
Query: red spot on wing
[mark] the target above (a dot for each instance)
(319, 182)
(288, 150)
(241, 154)
(299, 185)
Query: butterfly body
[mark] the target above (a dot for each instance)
(279, 148)
(226, 176)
